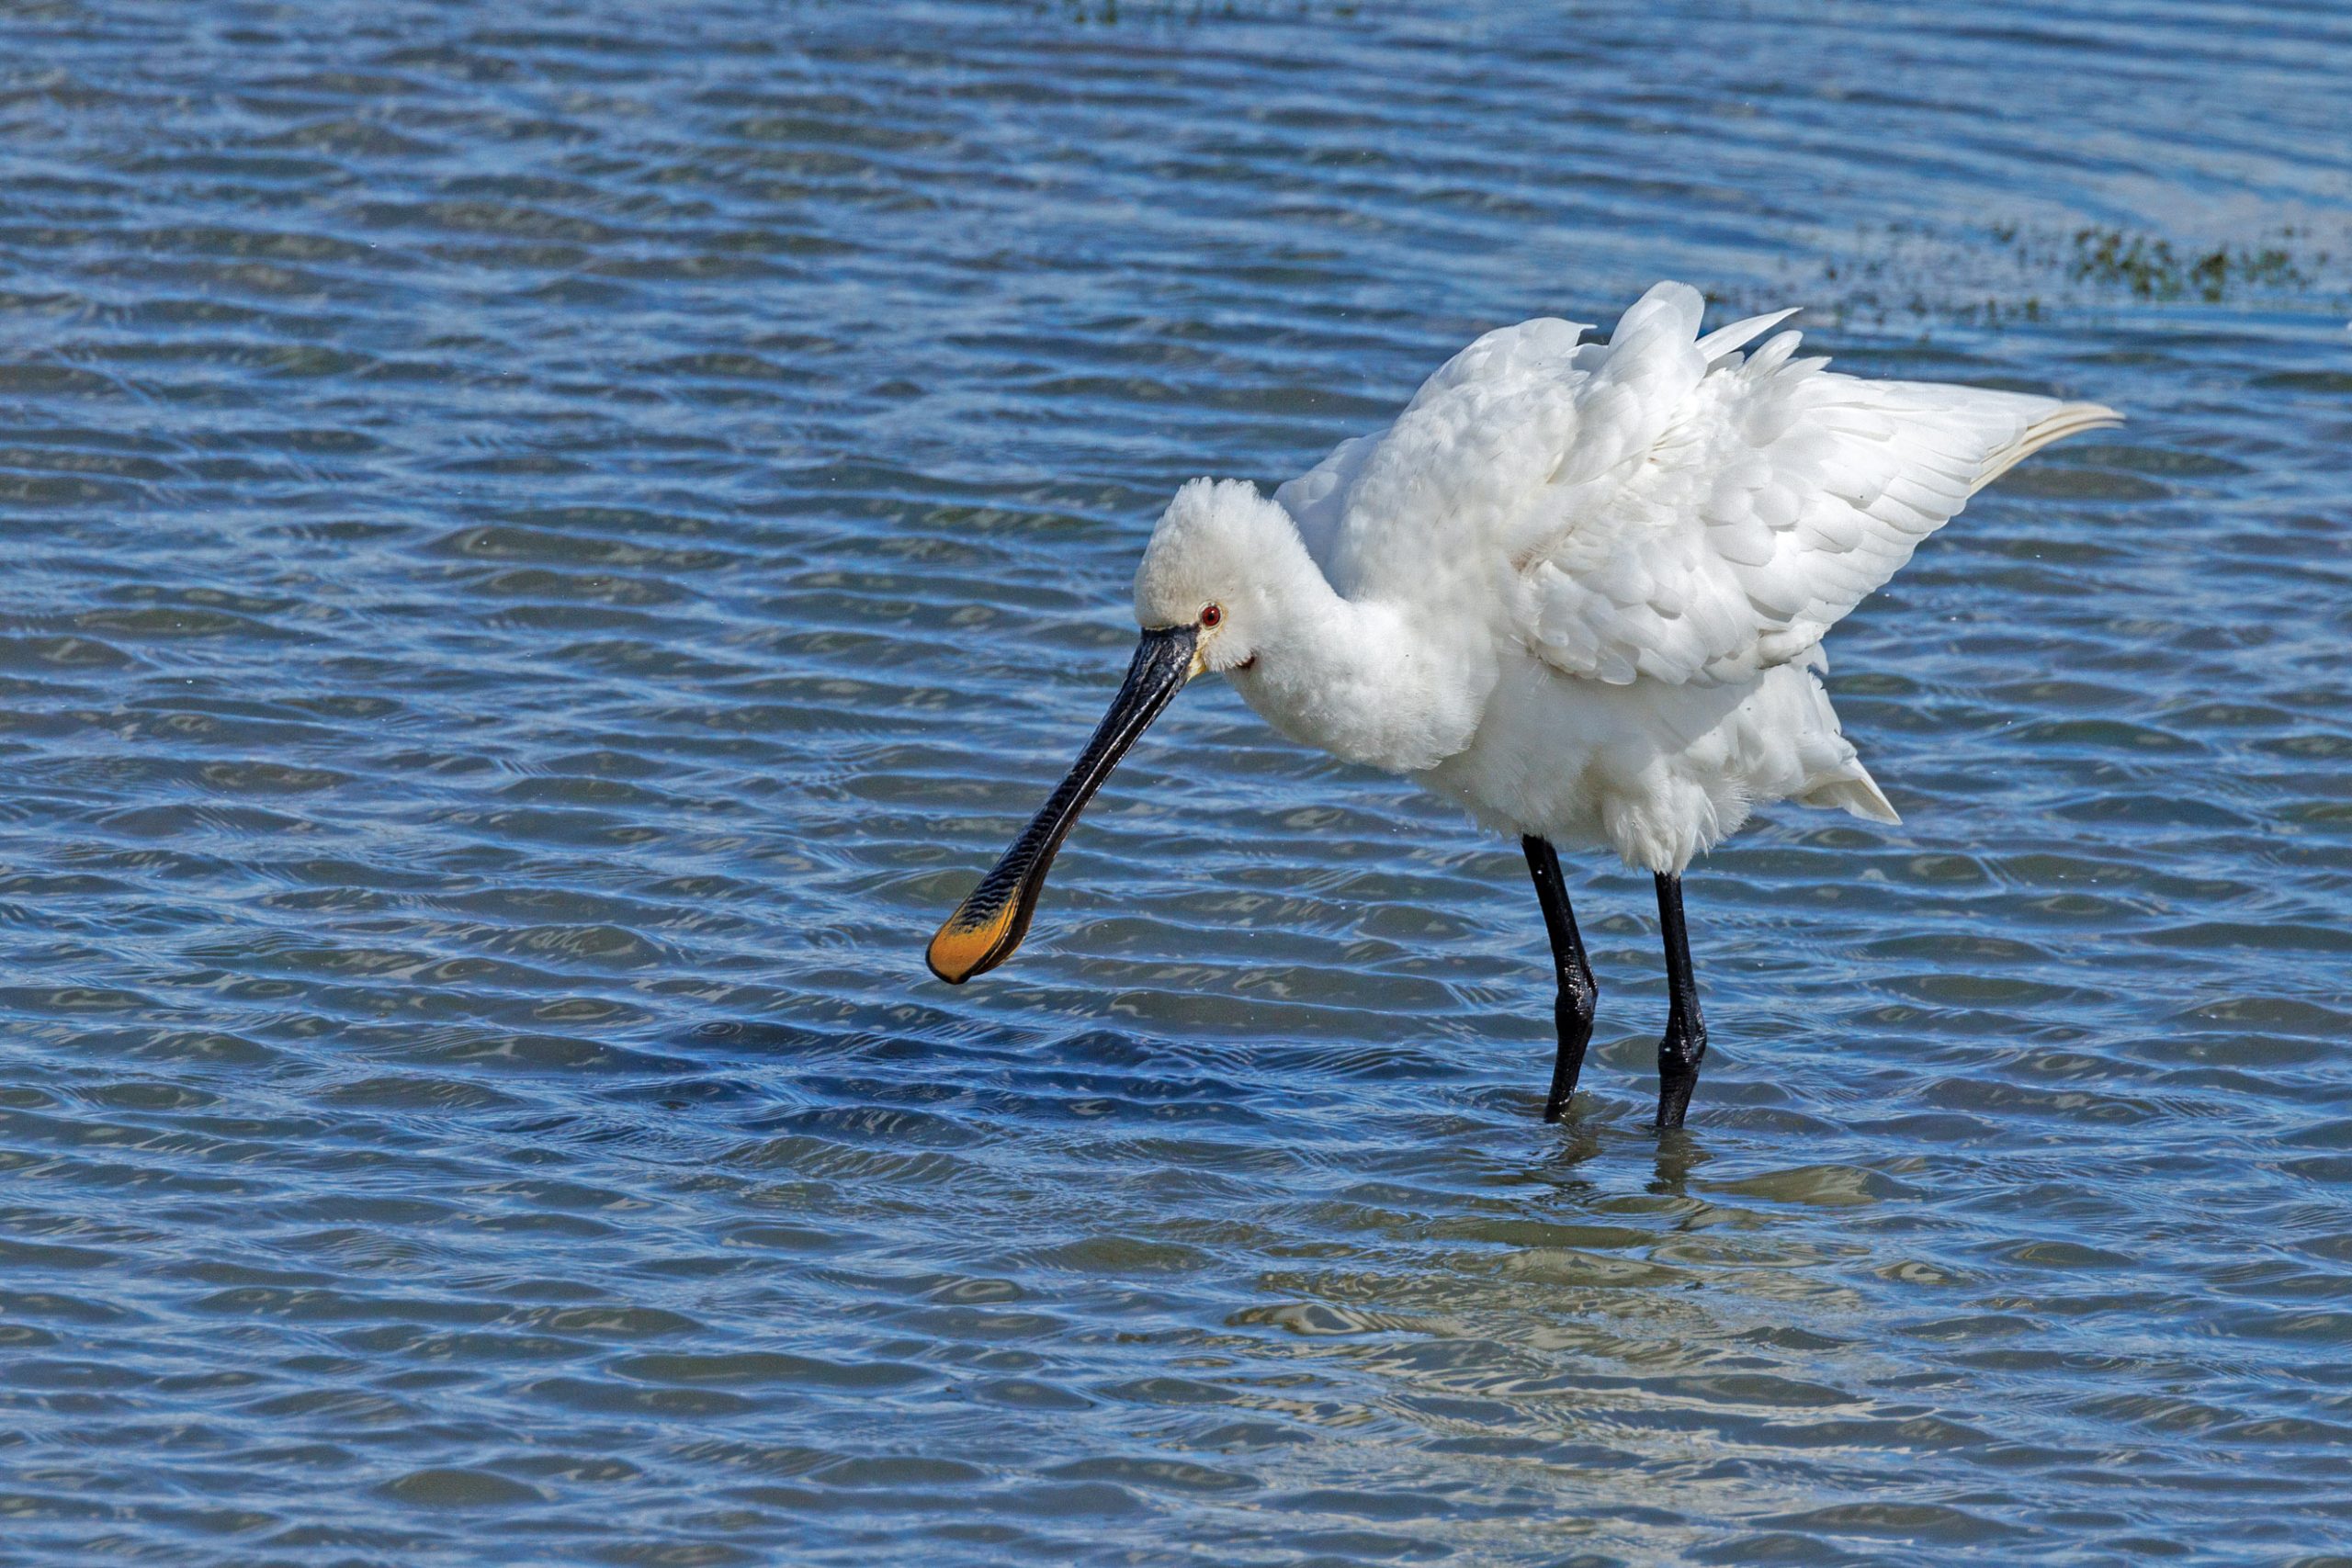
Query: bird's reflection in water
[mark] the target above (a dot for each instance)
(1590, 1129)
(1678, 1153)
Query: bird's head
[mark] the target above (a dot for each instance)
(1205, 568)
(1200, 602)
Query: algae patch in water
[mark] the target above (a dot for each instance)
(2009, 272)
(1111, 13)
(2152, 269)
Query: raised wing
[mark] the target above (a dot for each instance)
(1433, 494)
(1668, 507)
(1749, 504)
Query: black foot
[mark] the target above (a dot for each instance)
(1575, 1033)
(1674, 1088)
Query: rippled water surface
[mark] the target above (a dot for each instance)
(547, 546)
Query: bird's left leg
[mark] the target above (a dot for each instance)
(1573, 1012)
(1685, 1045)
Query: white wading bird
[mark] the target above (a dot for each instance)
(1579, 588)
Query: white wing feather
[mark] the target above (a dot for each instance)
(1672, 509)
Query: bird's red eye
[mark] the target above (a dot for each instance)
(1211, 616)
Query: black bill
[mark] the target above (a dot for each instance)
(989, 923)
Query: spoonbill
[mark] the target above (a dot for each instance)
(1579, 588)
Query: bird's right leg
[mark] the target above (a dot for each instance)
(1685, 1045)
(1573, 1012)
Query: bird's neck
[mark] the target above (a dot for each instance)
(1367, 681)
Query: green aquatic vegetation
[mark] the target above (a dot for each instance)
(2152, 269)
(1110, 13)
(2010, 272)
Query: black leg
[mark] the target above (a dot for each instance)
(1572, 1011)
(1685, 1045)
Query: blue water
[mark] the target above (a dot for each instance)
(547, 546)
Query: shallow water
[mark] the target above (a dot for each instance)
(545, 556)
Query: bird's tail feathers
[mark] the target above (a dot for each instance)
(1856, 792)
(2061, 421)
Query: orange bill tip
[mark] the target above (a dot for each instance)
(966, 944)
